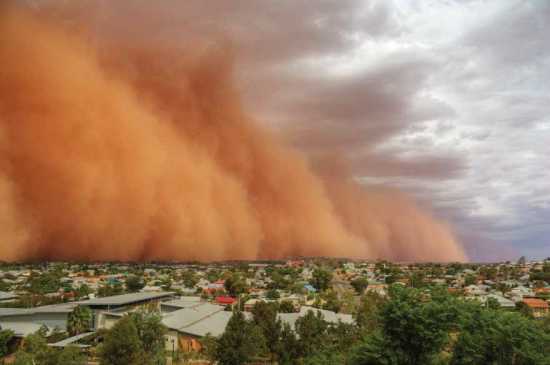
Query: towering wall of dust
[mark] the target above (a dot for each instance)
(139, 154)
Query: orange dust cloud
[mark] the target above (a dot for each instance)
(147, 154)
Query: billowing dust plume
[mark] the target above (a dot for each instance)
(144, 154)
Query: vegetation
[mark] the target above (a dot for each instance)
(134, 283)
(241, 342)
(138, 338)
(79, 321)
(5, 337)
(321, 279)
(35, 351)
(235, 284)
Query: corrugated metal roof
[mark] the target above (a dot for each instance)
(328, 316)
(125, 299)
(72, 340)
(21, 329)
(54, 308)
(4, 295)
(184, 302)
(213, 325)
(187, 316)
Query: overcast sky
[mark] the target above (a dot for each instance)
(449, 100)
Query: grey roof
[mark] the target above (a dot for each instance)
(5, 295)
(185, 302)
(213, 325)
(200, 320)
(14, 311)
(125, 299)
(328, 316)
(187, 316)
(54, 308)
(503, 302)
(21, 329)
(72, 340)
(212, 319)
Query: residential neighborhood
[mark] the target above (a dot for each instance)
(195, 303)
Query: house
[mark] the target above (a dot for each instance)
(225, 301)
(378, 288)
(181, 303)
(503, 302)
(538, 306)
(6, 297)
(519, 292)
(187, 325)
(24, 321)
(328, 316)
(250, 303)
(106, 311)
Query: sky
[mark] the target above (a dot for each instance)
(446, 100)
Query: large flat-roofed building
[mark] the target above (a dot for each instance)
(24, 321)
(106, 311)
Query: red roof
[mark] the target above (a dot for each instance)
(535, 303)
(225, 300)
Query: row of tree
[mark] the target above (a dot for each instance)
(410, 327)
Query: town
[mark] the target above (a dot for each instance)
(305, 310)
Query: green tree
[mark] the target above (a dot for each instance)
(240, 342)
(312, 332)
(374, 350)
(470, 279)
(235, 284)
(108, 290)
(83, 291)
(360, 284)
(286, 306)
(190, 279)
(79, 320)
(367, 316)
(414, 328)
(151, 333)
(5, 339)
(134, 283)
(43, 283)
(332, 302)
(209, 347)
(321, 279)
(273, 294)
(122, 344)
(70, 355)
(289, 350)
(492, 303)
(265, 317)
(417, 279)
(497, 337)
(35, 351)
(325, 358)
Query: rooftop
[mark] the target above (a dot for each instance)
(125, 299)
(535, 303)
